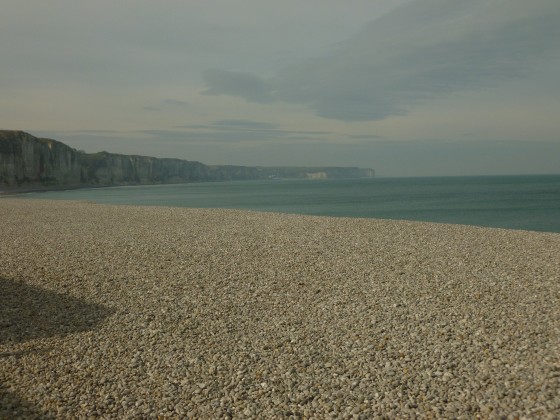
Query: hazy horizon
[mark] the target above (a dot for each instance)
(407, 87)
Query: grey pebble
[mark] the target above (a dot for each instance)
(137, 312)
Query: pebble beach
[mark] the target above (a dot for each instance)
(147, 312)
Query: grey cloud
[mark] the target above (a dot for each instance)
(232, 131)
(196, 136)
(423, 50)
(365, 136)
(175, 102)
(166, 104)
(93, 132)
(248, 86)
(264, 128)
(245, 124)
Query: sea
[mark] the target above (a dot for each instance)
(512, 202)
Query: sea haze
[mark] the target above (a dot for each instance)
(513, 202)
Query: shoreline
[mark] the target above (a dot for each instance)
(15, 191)
(129, 311)
(521, 205)
(20, 196)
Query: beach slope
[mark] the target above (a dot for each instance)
(128, 312)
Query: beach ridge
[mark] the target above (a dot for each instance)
(123, 311)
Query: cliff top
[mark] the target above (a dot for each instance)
(13, 136)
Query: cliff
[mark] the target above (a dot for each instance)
(27, 160)
(112, 169)
(30, 162)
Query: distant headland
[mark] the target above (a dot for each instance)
(28, 162)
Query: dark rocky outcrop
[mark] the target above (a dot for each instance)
(30, 162)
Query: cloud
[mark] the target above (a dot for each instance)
(365, 136)
(167, 104)
(87, 132)
(219, 131)
(151, 108)
(248, 86)
(175, 102)
(245, 125)
(249, 126)
(232, 131)
(198, 136)
(423, 50)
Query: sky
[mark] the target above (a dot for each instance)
(407, 87)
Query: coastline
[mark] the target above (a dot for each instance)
(19, 191)
(14, 191)
(143, 311)
(521, 203)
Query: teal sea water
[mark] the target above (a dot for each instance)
(514, 202)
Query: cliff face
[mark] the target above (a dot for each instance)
(27, 161)
(111, 169)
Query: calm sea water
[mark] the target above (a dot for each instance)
(514, 202)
